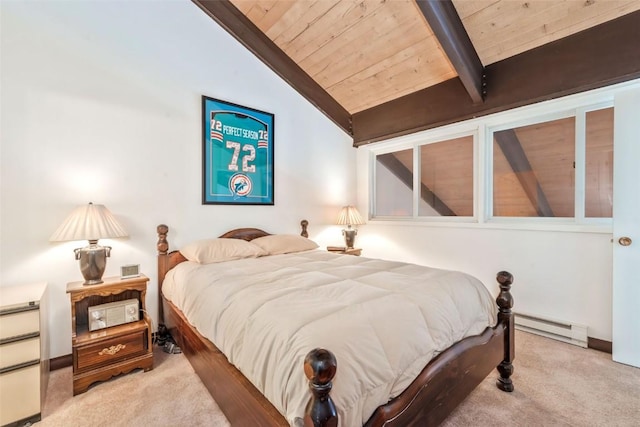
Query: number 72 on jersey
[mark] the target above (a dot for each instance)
(237, 154)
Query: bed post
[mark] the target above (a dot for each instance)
(505, 317)
(320, 368)
(304, 224)
(163, 248)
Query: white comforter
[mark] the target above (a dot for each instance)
(383, 321)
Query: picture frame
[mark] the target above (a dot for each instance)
(129, 271)
(237, 154)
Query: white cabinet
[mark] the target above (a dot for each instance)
(24, 353)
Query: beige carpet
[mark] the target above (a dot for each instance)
(556, 384)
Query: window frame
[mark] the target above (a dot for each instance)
(576, 105)
(415, 142)
(579, 218)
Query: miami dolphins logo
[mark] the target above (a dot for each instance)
(240, 185)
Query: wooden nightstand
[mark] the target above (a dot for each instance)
(100, 354)
(347, 251)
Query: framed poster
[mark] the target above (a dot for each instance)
(237, 154)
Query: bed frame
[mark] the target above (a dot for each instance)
(444, 383)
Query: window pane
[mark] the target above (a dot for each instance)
(446, 174)
(533, 170)
(599, 166)
(394, 184)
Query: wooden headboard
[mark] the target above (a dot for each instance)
(247, 234)
(167, 260)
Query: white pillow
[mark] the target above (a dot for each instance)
(220, 249)
(284, 243)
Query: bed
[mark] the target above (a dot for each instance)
(252, 388)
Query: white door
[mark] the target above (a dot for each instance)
(626, 224)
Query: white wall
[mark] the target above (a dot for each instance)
(560, 275)
(561, 272)
(101, 101)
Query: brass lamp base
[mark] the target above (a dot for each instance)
(349, 237)
(93, 261)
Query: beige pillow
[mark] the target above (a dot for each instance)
(217, 250)
(284, 243)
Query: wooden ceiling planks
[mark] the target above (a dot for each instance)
(264, 13)
(505, 28)
(380, 78)
(343, 46)
(467, 8)
(399, 72)
(362, 52)
(294, 23)
(403, 32)
(351, 60)
(329, 27)
(597, 57)
(386, 54)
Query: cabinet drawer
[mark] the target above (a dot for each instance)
(20, 391)
(112, 350)
(22, 323)
(18, 352)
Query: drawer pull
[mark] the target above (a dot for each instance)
(32, 306)
(20, 366)
(112, 350)
(16, 338)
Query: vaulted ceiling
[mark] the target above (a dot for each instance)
(382, 68)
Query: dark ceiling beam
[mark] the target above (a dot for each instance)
(512, 149)
(397, 168)
(600, 56)
(249, 35)
(447, 26)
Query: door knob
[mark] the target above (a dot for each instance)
(624, 241)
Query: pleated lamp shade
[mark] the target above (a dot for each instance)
(350, 216)
(89, 222)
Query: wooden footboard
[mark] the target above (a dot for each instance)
(449, 378)
(445, 382)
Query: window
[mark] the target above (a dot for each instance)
(445, 180)
(394, 184)
(538, 171)
(533, 170)
(599, 164)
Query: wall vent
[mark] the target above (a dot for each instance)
(551, 328)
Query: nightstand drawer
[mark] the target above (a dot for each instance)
(111, 350)
(18, 352)
(22, 323)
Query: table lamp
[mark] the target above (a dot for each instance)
(90, 222)
(350, 216)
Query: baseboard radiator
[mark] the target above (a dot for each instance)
(551, 328)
